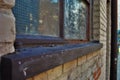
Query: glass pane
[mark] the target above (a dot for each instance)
(37, 17)
(75, 19)
(49, 17)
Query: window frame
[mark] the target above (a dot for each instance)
(52, 41)
(87, 2)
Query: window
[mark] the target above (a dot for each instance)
(76, 14)
(35, 17)
(68, 19)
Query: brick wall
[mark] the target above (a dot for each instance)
(103, 33)
(100, 30)
(88, 67)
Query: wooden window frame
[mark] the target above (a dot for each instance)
(23, 41)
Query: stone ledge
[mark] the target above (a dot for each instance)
(7, 3)
(32, 61)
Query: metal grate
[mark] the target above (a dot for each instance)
(27, 16)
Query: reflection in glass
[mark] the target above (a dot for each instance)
(75, 19)
(26, 14)
(49, 17)
(37, 17)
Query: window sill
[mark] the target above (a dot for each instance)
(25, 41)
(32, 61)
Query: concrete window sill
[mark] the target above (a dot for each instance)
(32, 61)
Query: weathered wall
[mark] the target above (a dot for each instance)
(92, 66)
(87, 67)
(100, 31)
(7, 27)
(103, 33)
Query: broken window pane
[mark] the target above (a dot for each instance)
(75, 17)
